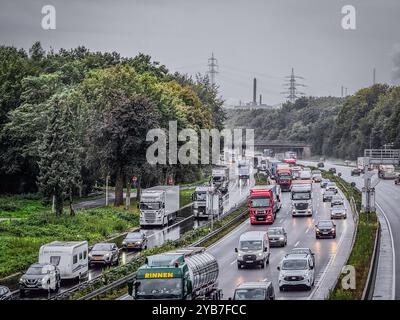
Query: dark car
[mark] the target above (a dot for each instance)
(355, 172)
(5, 293)
(135, 240)
(277, 236)
(325, 229)
(338, 212)
(104, 253)
(328, 195)
(261, 290)
(320, 165)
(397, 180)
(303, 251)
(332, 170)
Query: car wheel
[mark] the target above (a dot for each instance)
(58, 285)
(263, 263)
(345, 216)
(239, 265)
(267, 262)
(316, 237)
(334, 237)
(309, 288)
(281, 288)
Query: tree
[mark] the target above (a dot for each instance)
(118, 137)
(59, 155)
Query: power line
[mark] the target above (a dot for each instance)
(212, 68)
(293, 93)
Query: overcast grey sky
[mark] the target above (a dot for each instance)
(253, 38)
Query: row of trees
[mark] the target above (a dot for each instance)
(337, 127)
(70, 118)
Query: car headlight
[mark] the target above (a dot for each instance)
(317, 230)
(333, 229)
(123, 242)
(239, 254)
(281, 238)
(138, 242)
(260, 254)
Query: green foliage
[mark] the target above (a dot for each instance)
(20, 206)
(185, 197)
(20, 240)
(261, 179)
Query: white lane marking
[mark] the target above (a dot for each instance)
(308, 229)
(280, 221)
(265, 279)
(297, 243)
(234, 261)
(393, 252)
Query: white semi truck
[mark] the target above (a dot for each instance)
(207, 202)
(301, 195)
(244, 170)
(158, 205)
(386, 171)
(220, 179)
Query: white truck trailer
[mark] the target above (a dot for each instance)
(207, 202)
(220, 179)
(158, 205)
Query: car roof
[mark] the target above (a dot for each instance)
(276, 228)
(305, 249)
(320, 221)
(252, 235)
(296, 256)
(254, 284)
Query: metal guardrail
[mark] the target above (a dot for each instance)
(124, 280)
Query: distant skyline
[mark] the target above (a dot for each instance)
(257, 38)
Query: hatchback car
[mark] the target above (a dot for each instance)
(332, 170)
(135, 240)
(325, 229)
(337, 200)
(277, 236)
(331, 186)
(327, 196)
(355, 172)
(324, 182)
(104, 253)
(338, 212)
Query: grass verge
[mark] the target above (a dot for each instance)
(20, 206)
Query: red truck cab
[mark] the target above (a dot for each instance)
(263, 203)
(284, 178)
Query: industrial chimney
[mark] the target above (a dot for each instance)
(260, 99)
(255, 91)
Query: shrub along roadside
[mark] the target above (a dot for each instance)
(361, 254)
(131, 267)
(20, 206)
(20, 240)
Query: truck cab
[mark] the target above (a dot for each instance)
(220, 179)
(263, 204)
(284, 178)
(244, 170)
(301, 197)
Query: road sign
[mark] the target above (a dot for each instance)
(170, 181)
(134, 179)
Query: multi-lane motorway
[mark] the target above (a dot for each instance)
(301, 234)
(387, 197)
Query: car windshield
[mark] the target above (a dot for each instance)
(260, 202)
(150, 205)
(250, 294)
(300, 251)
(325, 224)
(248, 245)
(35, 270)
(200, 196)
(275, 231)
(316, 172)
(329, 193)
(134, 235)
(294, 264)
(102, 247)
(285, 177)
(165, 288)
(301, 195)
(338, 208)
(331, 184)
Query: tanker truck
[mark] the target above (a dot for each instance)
(183, 274)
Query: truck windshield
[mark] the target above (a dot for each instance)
(293, 264)
(170, 288)
(200, 196)
(250, 294)
(301, 195)
(150, 205)
(218, 179)
(285, 178)
(260, 202)
(250, 245)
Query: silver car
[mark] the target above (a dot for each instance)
(338, 212)
(337, 200)
(277, 236)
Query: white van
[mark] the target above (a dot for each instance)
(71, 257)
(253, 249)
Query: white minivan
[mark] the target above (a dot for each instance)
(71, 257)
(253, 249)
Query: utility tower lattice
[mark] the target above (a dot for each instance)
(212, 68)
(291, 83)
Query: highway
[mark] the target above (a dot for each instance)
(300, 232)
(387, 197)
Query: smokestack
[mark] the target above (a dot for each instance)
(254, 91)
(260, 99)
